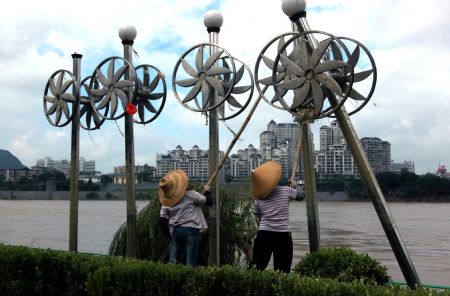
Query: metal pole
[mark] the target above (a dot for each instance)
(371, 184)
(375, 193)
(213, 164)
(312, 209)
(129, 157)
(213, 21)
(74, 162)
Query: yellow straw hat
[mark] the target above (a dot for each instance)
(172, 187)
(264, 179)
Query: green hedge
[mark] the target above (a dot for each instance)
(27, 271)
(342, 264)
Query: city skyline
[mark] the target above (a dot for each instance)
(38, 41)
(277, 142)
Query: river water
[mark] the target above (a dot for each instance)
(424, 228)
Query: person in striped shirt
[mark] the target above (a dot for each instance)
(271, 208)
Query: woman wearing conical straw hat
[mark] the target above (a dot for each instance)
(181, 216)
(271, 208)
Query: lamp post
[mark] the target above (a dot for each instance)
(213, 20)
(61, 97)
(74, 162)
(209, 73)
(115, 84)
(128, 34)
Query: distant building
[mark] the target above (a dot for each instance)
(442, 171)
(14, 175)
(407, 166)
(85, 166)
(59, 165)
(335, 157)
(119, 175)
(194, 162)
(243, 162)
(378, 152)
(279, 143)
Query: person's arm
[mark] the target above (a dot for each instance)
(164, 226)
(208, 195)
(200, 199)
(296, 192)
(257, 211)
(163, 222)
(300, 193)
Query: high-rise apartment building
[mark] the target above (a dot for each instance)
(378, 152)
(194, 162)
(279, 143)
(85, 166)
(334, 156)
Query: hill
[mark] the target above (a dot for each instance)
(9, 161)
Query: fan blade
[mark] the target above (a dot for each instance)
(329, 83)
(193, 92)
(354, 57)
(328, 66)
(360, 76)
(318, 53)
(188, 68)
(302, 95)
(211, 60)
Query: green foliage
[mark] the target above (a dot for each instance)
(237, 230)
(92, 196)
(344, 265)
(88, 186)
(37, 272)
(406, 186)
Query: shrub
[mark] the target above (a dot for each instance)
(26, 271)
(342, 264)
(237, 229)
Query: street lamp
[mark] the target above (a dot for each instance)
(205, 80)
(117, 89)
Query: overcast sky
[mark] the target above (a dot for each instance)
(409, 41)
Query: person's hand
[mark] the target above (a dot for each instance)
(292, 184)
(206, 189)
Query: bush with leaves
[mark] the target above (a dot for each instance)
(237, 230)
(344, 265)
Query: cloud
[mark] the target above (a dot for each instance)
(409, 43)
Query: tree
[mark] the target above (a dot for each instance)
(229, 179)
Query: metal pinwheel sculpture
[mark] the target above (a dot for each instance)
(62, 99)
(307, 74)
(364, 77)
(89, 119)
(151, 95)
(113, 87)
(265, 69)
(206, 76)
(236, 101)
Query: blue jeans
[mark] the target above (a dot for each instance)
(184, 238)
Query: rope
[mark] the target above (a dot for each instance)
(236, 137)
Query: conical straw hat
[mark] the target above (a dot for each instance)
(264, 179)
(172, 187)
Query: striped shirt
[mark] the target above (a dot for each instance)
(187, 212)
(274, 209)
